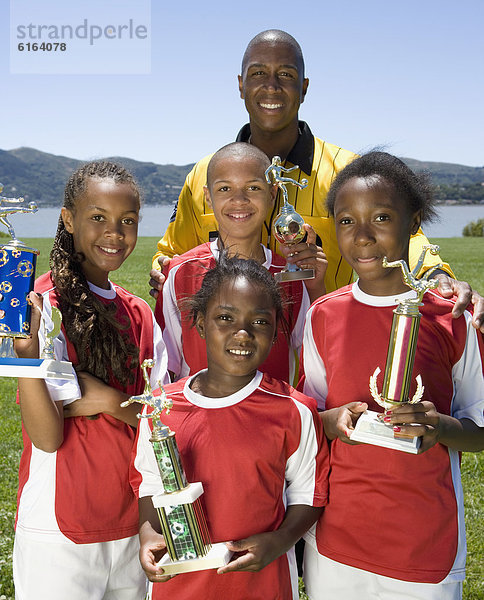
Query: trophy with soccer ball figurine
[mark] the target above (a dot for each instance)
(402, 347)
(179, 507)
(17, 275)
(288, 226)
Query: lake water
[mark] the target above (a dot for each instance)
(155, 219)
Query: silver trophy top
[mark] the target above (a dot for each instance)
(10, 206)
(158, 403)
(274, 174)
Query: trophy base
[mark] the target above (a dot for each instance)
(370, 430)
(298, 275)
(218, 556)
(36, 368)
(186, 495)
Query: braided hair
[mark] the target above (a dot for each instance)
(100, 340)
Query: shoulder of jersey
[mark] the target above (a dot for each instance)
(44, 283)
(341, 292)
(124, 293)
(195, 254)
(282, 390)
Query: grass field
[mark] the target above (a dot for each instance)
(466, 257)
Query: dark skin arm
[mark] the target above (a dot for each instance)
(157, 278)
(98, 397)
(251, 554)
(257, 551)
(449, 287)
(423, 420)
(410, 420)
(42, 417)
(152, 543)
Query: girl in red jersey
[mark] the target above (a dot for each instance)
(77, 518)
(254, 442)
(394, 525)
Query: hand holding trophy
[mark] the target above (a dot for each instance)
(288, 226)
(179, 507)
(17, 275)
(400, 360)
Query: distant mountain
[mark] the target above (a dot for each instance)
(448, 173)
(40, 176)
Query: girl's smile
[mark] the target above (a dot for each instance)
(373, 221)
(104, 226)
(239, 327)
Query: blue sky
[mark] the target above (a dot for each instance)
(406, 75)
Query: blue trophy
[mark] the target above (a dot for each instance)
(17, 275)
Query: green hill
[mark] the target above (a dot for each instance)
(40, 176)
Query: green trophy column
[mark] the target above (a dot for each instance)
(184, 526)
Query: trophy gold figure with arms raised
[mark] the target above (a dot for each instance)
(288, 226)
(400, 360)
(179, 507)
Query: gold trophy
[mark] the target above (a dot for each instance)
(288, 226)
(179, 507)
(400, 360)
(17, 275)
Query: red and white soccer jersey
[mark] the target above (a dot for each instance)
(81, 493)
(256, 452)
(186, 349)
(393, 513)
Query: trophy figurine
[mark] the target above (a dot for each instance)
(17, 275)
(179, 506)
(400, 360)
(288, 226)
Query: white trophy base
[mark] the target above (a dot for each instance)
(218, 556)
(186, 495)
(298, 275)
(36, 368)
(370, 430)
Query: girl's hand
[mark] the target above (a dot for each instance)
(307, 255)
(29, 347)
(340, 422)
(149, 554)
(157, 278)
(416, 420)
(253, 553)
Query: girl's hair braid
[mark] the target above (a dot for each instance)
(101, 342)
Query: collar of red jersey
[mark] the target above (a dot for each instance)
(107, 294)
(364, 298)
(204, 402)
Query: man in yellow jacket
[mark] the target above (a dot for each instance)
(273, 86)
